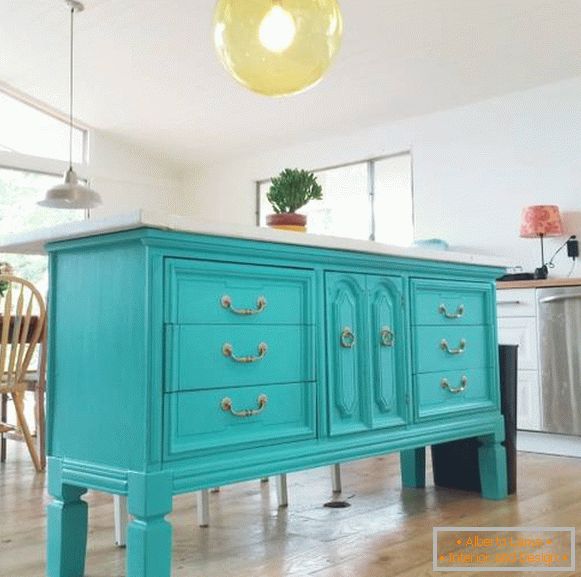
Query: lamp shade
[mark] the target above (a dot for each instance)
(71, 194)
(540, 220)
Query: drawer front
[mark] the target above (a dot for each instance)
(229, 418)
(221, 293)
(447, 392)
(451, 303)
(451, 348)
(214, 356)
(516, 303)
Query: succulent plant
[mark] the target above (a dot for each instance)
(292, 189)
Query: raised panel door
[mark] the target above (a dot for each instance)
(387, 349)
(346, 353)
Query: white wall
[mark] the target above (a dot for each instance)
(475, 167)
(128, 178)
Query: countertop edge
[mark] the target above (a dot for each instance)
(538, 283)
(33, 242)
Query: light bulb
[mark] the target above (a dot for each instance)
(277, 29)
(277, 47)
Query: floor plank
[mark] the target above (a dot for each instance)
(386, 532)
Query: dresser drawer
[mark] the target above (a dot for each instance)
(516, 303)
(447, 392)
(451, 348)
(214, 356)
(223, 293)
(233, 417)
(451, 303)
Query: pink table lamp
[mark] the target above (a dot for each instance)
(541, 221)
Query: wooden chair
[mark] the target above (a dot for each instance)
(22, 334)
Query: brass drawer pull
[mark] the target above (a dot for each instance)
(458, 314)
(387, 337)
(446, 347)
(226, 302)
(455, 390)
(226, 405)
(228, 351)
(347, 338)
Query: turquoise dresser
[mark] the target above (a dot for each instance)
(181, 361)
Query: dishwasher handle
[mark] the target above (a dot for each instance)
(559, 298)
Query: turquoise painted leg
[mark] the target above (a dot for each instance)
(492, 462)
(149, 535)
(66, 526)
(413, 468)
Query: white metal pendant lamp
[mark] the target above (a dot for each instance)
(71, 193)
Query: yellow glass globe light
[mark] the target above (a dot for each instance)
(277, 47)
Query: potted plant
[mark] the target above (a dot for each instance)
(289, 191)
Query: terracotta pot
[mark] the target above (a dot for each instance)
(288, 221)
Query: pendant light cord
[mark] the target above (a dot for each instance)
(71, 90)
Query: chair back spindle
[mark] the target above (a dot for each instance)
(23, 316)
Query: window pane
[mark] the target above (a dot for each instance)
(27, 130)
(393, 202)
(345, 208)
(19, 192)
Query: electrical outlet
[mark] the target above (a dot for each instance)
(573, 247)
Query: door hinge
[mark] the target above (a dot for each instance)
(403, 301)
(407, 398)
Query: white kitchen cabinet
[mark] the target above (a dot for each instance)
(528, 401)
(517, 325)
(521, 331)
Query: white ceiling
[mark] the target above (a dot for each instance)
(148, 73)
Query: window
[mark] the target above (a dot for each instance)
(32, 132)
(19, 193)
(367, 200)
(34, 152)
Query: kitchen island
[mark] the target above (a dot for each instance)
(185, 355)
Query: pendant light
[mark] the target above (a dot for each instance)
(71, 193)
(277, 47)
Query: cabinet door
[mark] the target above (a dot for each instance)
(346, 353)
(528, 401)
(387, 349)
(521, 331)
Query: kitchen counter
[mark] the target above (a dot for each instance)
(33, 242)
(538, 283)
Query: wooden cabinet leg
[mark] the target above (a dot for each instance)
(121, 519)
(282, 490)
(203, 508)
(413, 468)
(149, 535)
(492, 463)
(66, 526)
(336, 478)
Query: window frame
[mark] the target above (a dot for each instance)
(370, 163)
(38, 164)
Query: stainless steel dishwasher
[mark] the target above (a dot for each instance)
(559, 314)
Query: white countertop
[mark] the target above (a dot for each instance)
(33, 242)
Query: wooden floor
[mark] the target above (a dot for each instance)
(387, 531)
